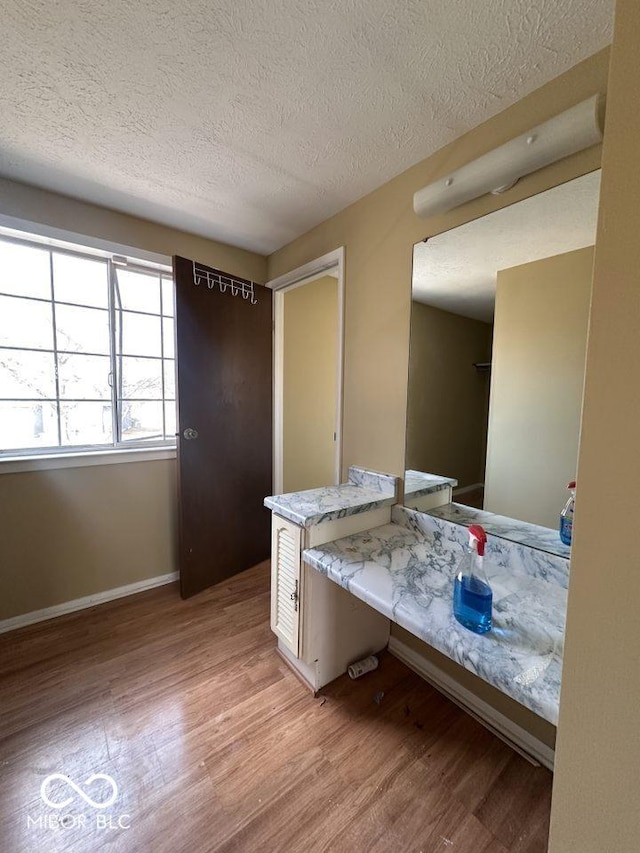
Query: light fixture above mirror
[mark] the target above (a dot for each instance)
(573, 130)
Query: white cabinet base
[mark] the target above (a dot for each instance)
(305, 673)
(337, 630)
(321, 628)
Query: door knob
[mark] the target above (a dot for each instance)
(190, 433)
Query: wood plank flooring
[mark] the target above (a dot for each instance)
(214, 745)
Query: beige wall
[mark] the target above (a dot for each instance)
(310, 380)
(57, 211)
(537, 378)
(447, 404)
(77, 531)
(595, 797)
(596, 791)
(379, 232)
(70, 533)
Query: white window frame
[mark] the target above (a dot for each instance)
(115, 255)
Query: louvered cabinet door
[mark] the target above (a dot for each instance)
(286, 547)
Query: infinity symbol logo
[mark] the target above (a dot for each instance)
(89, 781)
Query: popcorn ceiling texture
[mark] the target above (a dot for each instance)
(250, 121)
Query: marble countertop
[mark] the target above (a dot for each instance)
(532, 535)
(410, 577)
(418, 483)
(314, 506)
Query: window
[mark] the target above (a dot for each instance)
(87, 355)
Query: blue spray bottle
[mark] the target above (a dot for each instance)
(472, 595)
(566, 516)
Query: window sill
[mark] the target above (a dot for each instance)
(84, 459)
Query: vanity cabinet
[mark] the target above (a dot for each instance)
(286, 551)
(321, 628)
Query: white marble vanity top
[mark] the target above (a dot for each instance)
(365, 490)
(409, 576)
(418, 483)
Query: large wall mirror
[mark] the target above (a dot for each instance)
(499, 320)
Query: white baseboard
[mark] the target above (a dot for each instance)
(82, 603)
(465, 489)
(515, 736)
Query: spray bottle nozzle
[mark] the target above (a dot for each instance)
(478, 535)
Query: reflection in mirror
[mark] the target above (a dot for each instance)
(498, 339)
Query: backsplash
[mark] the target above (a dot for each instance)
(384, 483)
(522, 532)
(445, 535)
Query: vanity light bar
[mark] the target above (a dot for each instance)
(567, 133)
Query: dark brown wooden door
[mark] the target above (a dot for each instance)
(224, 370)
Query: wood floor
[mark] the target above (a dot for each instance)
(215, 746)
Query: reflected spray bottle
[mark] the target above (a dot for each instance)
(472, 595)
(566, 516)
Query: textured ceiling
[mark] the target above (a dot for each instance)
(456, 271)
(250, 121)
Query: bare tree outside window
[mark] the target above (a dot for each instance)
(86, 351)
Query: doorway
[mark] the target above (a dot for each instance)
(308, 374)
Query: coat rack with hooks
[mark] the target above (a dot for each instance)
(212, 278)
